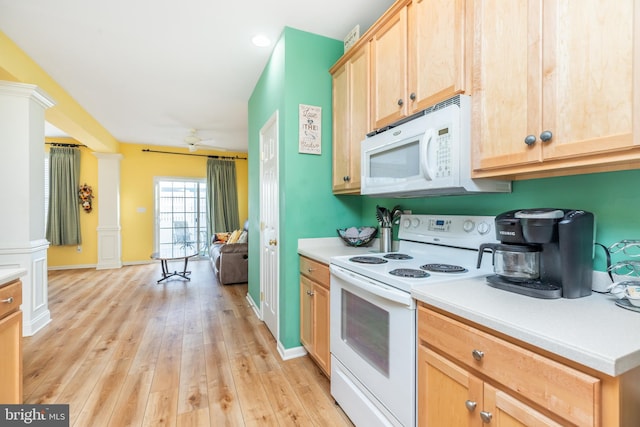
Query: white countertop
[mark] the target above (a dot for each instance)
(323, 248)
(592, 330)
(10, 274)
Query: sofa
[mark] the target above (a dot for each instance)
(229, 256)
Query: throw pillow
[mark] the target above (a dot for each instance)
(221, 237)
(243, 237)
(234, 237)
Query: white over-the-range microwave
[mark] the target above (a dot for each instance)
(428, 155)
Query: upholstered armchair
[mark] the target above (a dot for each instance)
(229, 256)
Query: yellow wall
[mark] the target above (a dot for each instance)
(137, 172)
(66, 114)
(69, 255)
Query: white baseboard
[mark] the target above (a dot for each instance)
(70, 267)
(253, 305)
(291, 353)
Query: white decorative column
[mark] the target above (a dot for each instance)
(22, 221)
(108, 201)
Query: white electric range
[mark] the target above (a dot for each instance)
(373, 317)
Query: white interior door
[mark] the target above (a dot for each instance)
(269, 220)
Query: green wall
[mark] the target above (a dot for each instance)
(614, 198)
(297, 73)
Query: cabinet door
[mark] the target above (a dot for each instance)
(506, 411)
(589, 87)
(358, 111)
(507, 74)
(341, 119)
(436, 48)
(447, 394)
(306, 313)
(321, 327)
(11, 359)
(389, 70)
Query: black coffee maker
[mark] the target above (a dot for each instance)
(544, 253)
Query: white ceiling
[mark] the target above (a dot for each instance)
(150, 70)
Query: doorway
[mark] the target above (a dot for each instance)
(269, 229)
(180, 208)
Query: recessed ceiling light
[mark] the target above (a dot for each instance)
(261, 40)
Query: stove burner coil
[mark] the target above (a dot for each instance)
(409, 272)
(368, 260)
(398, 256)
(444, 268)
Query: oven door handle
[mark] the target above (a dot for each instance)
(383, 291)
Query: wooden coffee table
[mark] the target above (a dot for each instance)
(174, 253)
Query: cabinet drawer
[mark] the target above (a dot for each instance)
(562, 390)
(315, 270)
(10, 297)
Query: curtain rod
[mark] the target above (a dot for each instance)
(146, 150)
(60, 144)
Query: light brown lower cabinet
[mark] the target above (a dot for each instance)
(11, 343)
(470, 376)
(314, 311)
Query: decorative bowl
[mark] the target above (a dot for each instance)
(357, 236)
(633, 295)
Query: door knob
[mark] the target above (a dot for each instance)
(273, 242)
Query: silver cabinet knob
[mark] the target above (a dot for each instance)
(400, 102)
(346, 178)
(412, 96)
(477, 354)
(530, 139)
(486, 417)
(310, 293)
(8, 300)
(471, 405)
(546, 136)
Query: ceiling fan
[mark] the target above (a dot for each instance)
(193, 141)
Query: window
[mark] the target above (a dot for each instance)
(181, 213)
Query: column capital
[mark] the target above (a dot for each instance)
(26, 90)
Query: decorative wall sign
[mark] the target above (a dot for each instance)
(310, 125)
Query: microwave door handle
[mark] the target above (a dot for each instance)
(424, 153)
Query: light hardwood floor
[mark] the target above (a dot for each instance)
(122, 350)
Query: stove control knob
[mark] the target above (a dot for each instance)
(468, 225)
(406, 223)
(483, 228)
(415, 223)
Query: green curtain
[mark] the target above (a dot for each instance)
(63, 221)
(222, 196)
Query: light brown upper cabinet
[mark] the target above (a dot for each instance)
(350, 119)
(417, 58)
(554, 86)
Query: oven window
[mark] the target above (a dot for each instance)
(365, 329)
(399, 162)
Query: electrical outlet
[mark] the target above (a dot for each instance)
(79, 248)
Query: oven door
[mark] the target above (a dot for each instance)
(373, 337)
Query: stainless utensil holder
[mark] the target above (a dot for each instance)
(385, 239)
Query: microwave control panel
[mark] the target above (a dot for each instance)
(443, 153)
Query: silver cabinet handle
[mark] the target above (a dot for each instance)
(8, 300)
(486, 417)
(471, 405)
(546, 136)
(530, 139)
(477, 354)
